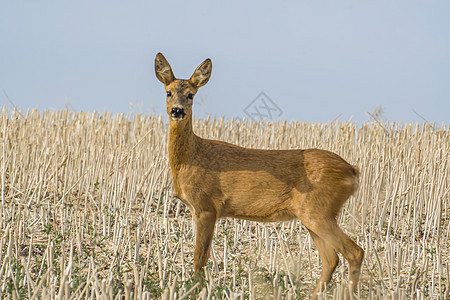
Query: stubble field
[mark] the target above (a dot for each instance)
(87, 211)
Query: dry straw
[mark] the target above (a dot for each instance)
(87, 211)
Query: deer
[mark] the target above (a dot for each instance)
(216, 179)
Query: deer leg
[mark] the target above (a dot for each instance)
(204, 222)
(329, 259)
(331, 234)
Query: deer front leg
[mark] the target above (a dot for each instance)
(204, 222)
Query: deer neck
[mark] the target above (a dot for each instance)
(182, 143)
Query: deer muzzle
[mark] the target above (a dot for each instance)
(177, 113)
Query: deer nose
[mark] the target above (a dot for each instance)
(177, 113)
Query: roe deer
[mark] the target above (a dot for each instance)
(217, 179)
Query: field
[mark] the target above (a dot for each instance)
(87, 211)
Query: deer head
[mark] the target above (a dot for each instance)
(181, 92)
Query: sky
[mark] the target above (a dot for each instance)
(313, 61)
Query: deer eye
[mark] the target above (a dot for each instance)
(190, 96)
(169, 94)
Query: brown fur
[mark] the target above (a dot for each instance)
(217, 179)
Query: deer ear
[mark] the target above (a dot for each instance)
(163, 70)
(202, 74)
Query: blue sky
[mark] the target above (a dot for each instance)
(316, 60)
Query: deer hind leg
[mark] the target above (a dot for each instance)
(205, 222)
(331, 234)
(329, 259)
